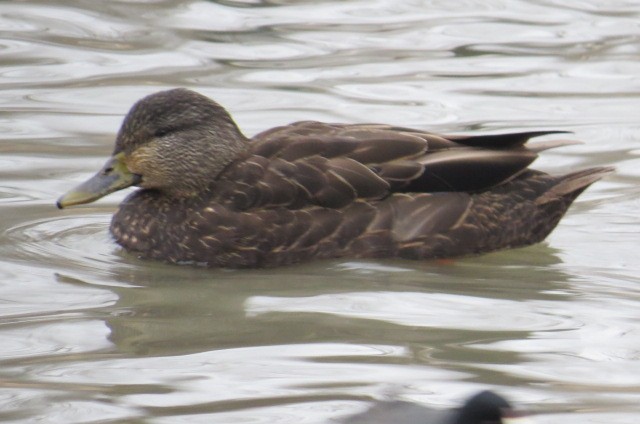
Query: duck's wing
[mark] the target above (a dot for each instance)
(332, 165)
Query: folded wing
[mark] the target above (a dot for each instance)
(333, 165)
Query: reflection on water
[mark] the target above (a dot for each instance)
(90, 333)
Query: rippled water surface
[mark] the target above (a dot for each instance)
(91, 334)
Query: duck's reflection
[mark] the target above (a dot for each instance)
(193, 317)
(169, 310)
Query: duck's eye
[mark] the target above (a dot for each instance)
(161, 132)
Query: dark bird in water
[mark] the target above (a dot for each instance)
(483, 408)
(311, 190)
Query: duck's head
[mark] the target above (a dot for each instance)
(487, 408)
(175, 141)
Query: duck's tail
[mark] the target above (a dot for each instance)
(553, 197)
(571, 185)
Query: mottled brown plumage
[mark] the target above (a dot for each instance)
(316, 190)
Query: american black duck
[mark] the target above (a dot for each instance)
(483, 408)
(211, 196)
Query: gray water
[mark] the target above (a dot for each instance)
(89, 334)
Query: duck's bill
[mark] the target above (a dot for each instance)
(113, 176)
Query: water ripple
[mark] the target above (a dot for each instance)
(81, 240)
(423, 310)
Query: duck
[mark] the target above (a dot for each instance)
(210, 196)
(486, 407)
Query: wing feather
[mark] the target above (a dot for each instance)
(333, 165)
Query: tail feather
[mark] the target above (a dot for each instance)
(573, 184)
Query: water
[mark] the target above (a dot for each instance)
(91, 334)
